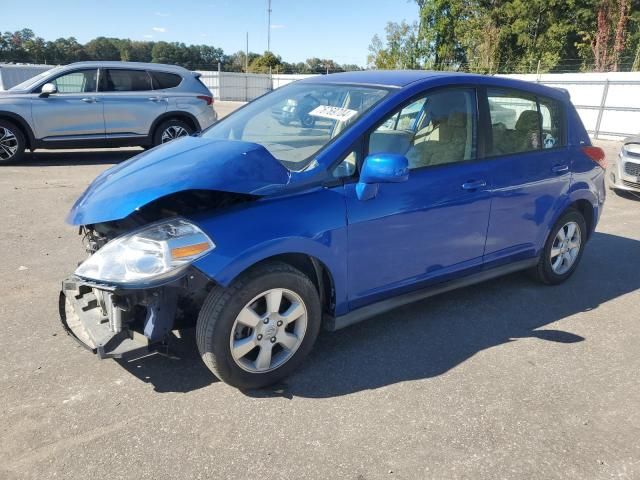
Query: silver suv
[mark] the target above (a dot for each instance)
(103, 104)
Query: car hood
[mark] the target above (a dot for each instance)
(191, 163)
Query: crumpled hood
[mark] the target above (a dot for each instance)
(191, 163)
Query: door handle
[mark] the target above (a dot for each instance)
(474, 184)
(560, 168)
(155, 99)
(89, 100)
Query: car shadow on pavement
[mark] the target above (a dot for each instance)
(429, 338)
(61, 158)
(179, 370)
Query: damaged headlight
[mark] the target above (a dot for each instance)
(153, 253)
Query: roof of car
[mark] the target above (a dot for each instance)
(147, 66)
(403, 78)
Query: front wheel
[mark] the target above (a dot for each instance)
(12, 142)
(259, 330)
(171, 130)
(563, 250)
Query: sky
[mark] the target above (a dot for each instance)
(336, 29)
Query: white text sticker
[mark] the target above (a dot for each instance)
(333, 113)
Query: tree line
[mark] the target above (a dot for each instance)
(24, 46)
(514, 36)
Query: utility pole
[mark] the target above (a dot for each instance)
(246, 57)
(268, 25)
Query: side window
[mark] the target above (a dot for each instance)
(80, 81)
(553, 134)
(162, 80)
(436, 129)
(125, 81)
(515, 122)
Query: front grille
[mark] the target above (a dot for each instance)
(631, 184)
(631, 168)
(630, 153)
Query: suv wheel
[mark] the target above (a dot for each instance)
(170, 130)
(563, 250)
(258, 330)
(12, 143)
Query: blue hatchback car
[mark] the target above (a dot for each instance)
(406, 184)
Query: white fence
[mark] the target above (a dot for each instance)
(608, 103)
(12, 75)
(242, 86)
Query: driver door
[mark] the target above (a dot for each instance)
(432, 227)
(73, 113)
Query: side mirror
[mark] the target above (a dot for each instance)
(48, 89)
(381, 168)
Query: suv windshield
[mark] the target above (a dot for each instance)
(296, 121)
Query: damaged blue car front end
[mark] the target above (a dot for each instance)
(140, 278)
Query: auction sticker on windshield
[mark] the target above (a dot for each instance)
(333, 113)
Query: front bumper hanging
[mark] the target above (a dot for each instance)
(92, 317)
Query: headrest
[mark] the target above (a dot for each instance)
(528, 120)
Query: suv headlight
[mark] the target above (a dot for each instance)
(153, 253)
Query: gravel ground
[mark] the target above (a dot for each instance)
(507, 379)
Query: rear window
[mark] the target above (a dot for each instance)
(162, 80)
(125, 81)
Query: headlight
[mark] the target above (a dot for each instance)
(153, 253)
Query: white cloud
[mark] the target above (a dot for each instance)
(162, 14)
(159, 29)
(277, 27)
(148, 36)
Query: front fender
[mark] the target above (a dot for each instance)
(311, 223)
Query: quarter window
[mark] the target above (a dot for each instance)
(80, 81)
(125, 81)
(162, 80)
(437, 129)
(551, 112)
(515, 122)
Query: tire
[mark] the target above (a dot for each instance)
(219, 326)
(555, 270)
(12, 142)
(307, 121)
(170, 130)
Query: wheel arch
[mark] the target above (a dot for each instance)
(186, 117)
(22, 124)
(312, 267)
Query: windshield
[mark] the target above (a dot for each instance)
(27, 84)
(296, 121)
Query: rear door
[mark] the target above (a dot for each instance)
(530, 168)
(73, 113)
(433, 226)
(130, 104)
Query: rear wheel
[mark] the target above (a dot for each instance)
(563, 249)
(171, 130)
(12, 142)
(258, 330)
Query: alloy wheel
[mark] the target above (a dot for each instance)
(565, 248)
(173, 132)
(8, 143)
(268, 330)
